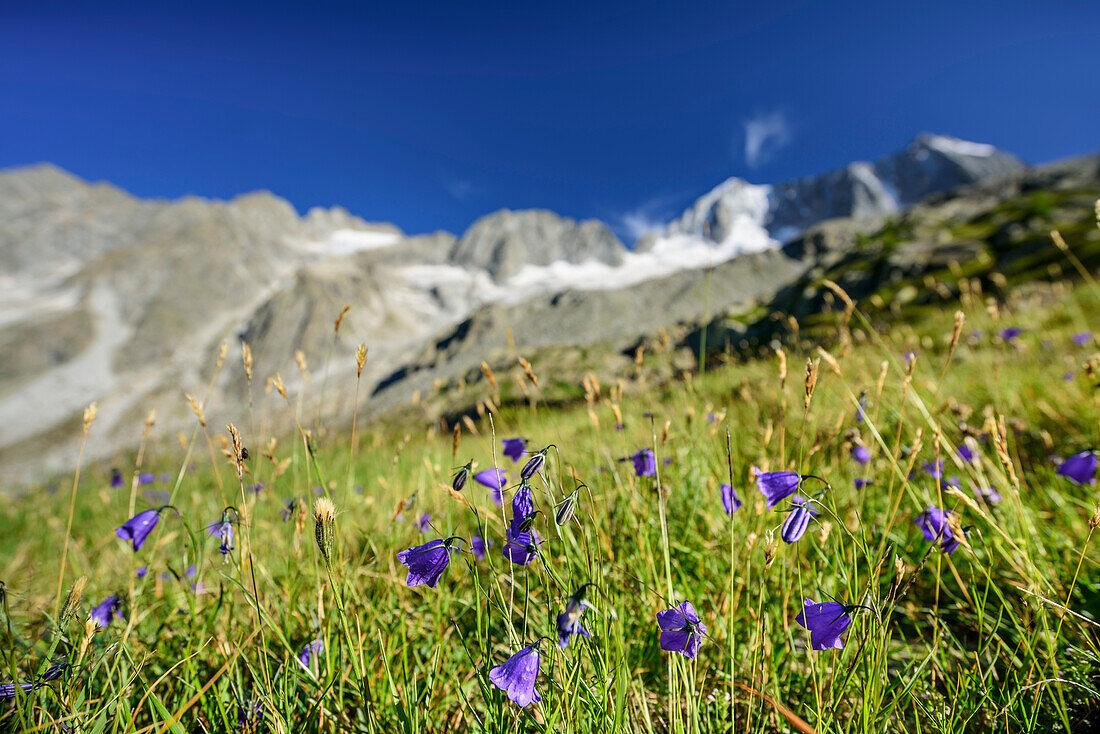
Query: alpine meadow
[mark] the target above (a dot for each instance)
(878, 518)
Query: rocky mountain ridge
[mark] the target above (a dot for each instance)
(127, 302)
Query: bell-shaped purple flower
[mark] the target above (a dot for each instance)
(989, 495)
(495, 480)
(569, 624)
(224, 530)
(933, 469)
(794, 527)
(861, 411)
(116, 479)
(514, 448)
(310, 651)
(1082, 338)
(861, 454)
(479, 546)
(1080, 468)
(146, 478)
(1010, 333)
(569, 621)
(826, 622)
(138, 527)
(860, 483)
(966, 453)
(934, 524)
(424, 523)
(681, 630)
(107, 610)
(426, 562)
(645, 463)
(730, 500)
(517, 676)
(523, 504)
(776, 486)
(521, 547)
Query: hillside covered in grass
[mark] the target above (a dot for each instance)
(935, 504)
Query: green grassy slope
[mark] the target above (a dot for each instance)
(978, 639)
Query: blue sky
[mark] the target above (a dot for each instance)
(429, 115)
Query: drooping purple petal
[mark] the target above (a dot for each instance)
(479, 546)
(137, 528)
(517, 676)
(523, 504)
(310, 651)
(645, 463)
(514, 448)
(730, 500)
(424, 523)
(107, 610)
(1080, 468)
(826, 622)
(776, 486)
(426, 562)
(521, 547)
(492, 478)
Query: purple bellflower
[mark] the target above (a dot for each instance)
(514, 448)
(569, 621)
(310, 651)
(776, 486)
(794, 527)
(7, 690)
(479, 546)
(105, 611)
(1082, 339)
(224, 529)
(521, 546)
(860, 483)
(427, 562)
(645, 463)
(989, 495)
(116, 479)
(523, 504)
(517, 676)
(146, 478)
(137, 528)
(934, 524)
(1010, 333)
(730, 500)
(495, 480)
(1080, 468)
(681, 630)
(861, 411)
(861, 454)
(826, 622)
(966, 453)
(424, 523)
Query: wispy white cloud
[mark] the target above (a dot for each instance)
(765, 135)
(650, 216)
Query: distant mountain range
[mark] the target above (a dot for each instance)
(125, 301)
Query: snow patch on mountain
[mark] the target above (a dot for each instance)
(342, 242)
